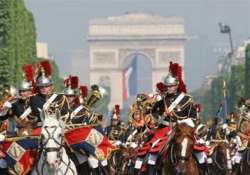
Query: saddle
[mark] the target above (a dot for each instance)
(156, 144)
(200, 148)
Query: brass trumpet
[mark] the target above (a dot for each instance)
(94, 97)
(9, 94)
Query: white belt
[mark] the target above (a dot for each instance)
(166, 123)
(26, 113)
(39, 124)
(176, 102)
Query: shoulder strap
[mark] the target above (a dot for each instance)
(78, 109)
(49, 101)
(176, 102)
(25, 113)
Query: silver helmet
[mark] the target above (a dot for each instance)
(25, 85)
(44, 81)
(201, 130)
(69, 91)
(170, 80)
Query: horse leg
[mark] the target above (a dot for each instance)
(151, 164)
(3, 171)
(104, 169)
(83, 169)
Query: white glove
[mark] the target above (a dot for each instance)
(224, 126)
(2, 137)
(7, 104)
(201, 141)
(133, 145)
(117, 143)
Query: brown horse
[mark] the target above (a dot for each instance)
(180, 160)
(219, 156)
(122, 161)
(244, 168)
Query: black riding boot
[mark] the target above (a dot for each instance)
(3, 171)
(203, 168)
(83, 169)
(236, 169)
(136, 171)
(95, 171)
(150, 170)
(105, 170)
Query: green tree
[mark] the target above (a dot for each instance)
(236, 88)
(18, 42)
(247, 72)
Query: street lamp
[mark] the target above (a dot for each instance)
(225, 29)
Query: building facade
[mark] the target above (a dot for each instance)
(113, 40)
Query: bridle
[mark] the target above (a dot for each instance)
(58, 149)
(182, 158)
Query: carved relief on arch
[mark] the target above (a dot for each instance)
(165, 56)
(104, 58)
(125, 53)
(104, 80)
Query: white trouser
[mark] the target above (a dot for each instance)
(138, 163)
(209, 160)
(104, 162)
(201, 157)
(3, 163)
(93, 162)
(152, 159)
(81, 158)
(237, 158)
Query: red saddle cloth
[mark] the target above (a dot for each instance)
(36, 132)
(160, 138)
(200, 148)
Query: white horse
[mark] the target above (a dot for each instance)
(53, 157)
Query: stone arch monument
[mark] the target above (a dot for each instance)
(111, 40)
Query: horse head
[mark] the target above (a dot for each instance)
(183, 147)
(52, 139)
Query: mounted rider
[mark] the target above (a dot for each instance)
(174, 106)
(17, 110)
(77, 108)
(116, 130)
(46, 100)
(243, 134)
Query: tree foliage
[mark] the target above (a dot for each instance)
(211, 98)
(247, 73)
(17, 41)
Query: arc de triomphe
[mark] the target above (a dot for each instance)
(113, 39)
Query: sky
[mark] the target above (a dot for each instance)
(63, 24)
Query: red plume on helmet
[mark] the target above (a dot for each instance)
(160, 87)
(117, 109)
(29, 75)
(71, 82)
(116, 112)
(74, 82)
(46, 67)
(176, 70)
(66, 82)
(29, 72)
(198, 107)
(84, 91)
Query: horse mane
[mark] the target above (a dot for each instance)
(183, 129)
